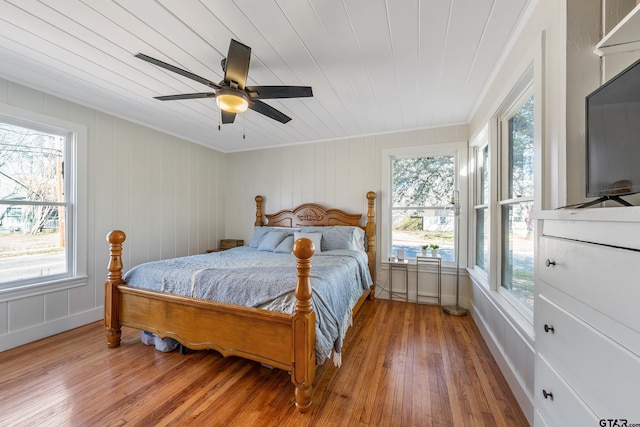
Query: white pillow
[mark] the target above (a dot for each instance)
(359, 240)
(339, 237)
(316, 238)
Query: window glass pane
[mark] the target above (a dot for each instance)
(414, 228)
(32, 204)
(31, 165)
(423, 181)
(422, 187)
(517, 251)
(482, 238)
(33, 255)
(483, 173)
(521, 151)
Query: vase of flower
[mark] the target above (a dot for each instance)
(424, 250)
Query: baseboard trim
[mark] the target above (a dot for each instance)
(43, 330)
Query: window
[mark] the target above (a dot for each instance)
(482, 207)
(421, 188)
(516, 199)
(38, 203)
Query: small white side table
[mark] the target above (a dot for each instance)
(399, 265)
(436, 264)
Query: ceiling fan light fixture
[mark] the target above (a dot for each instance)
(232, 101)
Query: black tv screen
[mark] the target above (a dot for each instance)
(613, 136)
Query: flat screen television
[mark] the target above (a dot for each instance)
(613, 138)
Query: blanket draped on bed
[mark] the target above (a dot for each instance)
(248, 277)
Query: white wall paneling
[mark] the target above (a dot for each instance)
(425, 287)
(511, 346)
(166, 193)
(337, 173)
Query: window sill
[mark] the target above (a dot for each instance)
(25, 291)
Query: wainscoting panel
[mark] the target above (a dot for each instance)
(166, 193)
(509, 344)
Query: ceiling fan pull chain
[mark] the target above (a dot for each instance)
(244, 127)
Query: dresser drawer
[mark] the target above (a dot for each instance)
(561, 407)
(538, 420)
(599, 370)
(605, 278)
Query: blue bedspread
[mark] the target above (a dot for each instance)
(260, 279)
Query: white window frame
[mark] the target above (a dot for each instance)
(459, 151)
(531, 77)
(524, 90)
(478, 144)
(76, 212)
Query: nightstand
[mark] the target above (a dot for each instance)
(227, 244)
(230, 243)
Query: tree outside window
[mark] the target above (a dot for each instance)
(482, 208)
(421, 189)
(33, 205)
(517, 224)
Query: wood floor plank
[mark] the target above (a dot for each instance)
(403, 364)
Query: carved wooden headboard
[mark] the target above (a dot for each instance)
(314, 214)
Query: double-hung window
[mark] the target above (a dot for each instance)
(38, 204)
(503, 162)
(516, 197)
(421, 182)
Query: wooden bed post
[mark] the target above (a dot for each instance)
(259, 219)
(371, 240)
(114, 279)
(304, 328)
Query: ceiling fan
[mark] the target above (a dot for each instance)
(231, 94)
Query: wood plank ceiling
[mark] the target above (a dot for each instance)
(375, 66)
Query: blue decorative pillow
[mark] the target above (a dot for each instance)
(286, 246)
(271, 240)
(258, 234)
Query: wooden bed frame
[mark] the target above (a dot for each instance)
(284, 341)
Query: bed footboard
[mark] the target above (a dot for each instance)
(281, 340)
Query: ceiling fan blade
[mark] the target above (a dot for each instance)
(227, 117)
(186, 96)
(271, 92)
(175, 69)
(237, 64)
(268, 111)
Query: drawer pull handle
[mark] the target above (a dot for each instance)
(547, 395)
(549, 263)
(548, 328)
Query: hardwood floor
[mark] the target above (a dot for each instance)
(403, 365)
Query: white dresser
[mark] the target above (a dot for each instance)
(587, 317)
